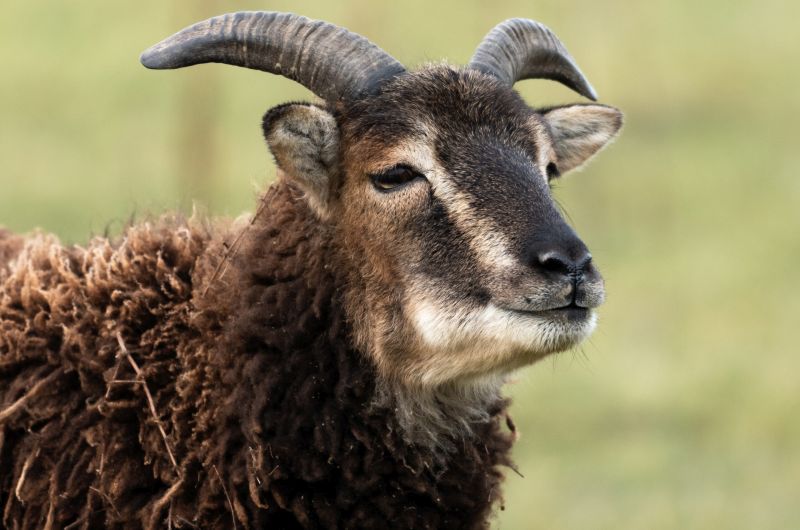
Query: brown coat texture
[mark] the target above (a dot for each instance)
(149, 383)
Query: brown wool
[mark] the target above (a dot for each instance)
(250, 382)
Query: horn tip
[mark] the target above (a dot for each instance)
(155, 59)
(582, 86)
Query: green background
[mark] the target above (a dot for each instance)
(683, 410)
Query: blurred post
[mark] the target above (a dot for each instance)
(197, 103)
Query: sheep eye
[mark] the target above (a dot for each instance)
(552, 171)
(394, 178)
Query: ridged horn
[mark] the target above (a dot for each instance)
(520, 49)
(328, 60)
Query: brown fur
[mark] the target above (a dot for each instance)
(264, 402)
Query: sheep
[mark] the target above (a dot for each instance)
(337, 360)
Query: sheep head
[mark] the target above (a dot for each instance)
(435, 184)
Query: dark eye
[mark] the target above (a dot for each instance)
(552, 171)
(394, 178)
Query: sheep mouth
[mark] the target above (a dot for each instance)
(570, 312)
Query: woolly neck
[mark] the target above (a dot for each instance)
(308, 406)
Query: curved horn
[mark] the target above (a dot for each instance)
(520, 49)
(328, 60)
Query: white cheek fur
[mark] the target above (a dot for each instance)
(459, 342)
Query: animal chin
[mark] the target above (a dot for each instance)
(491, 339)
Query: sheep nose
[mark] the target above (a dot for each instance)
(557, 253)
(565, 263)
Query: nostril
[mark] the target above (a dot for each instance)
(559, 262)
(555, 261)
(584, 262)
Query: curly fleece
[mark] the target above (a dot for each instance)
(262, 411)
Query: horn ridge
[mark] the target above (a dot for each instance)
(331, 61)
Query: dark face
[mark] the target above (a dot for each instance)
(446, 207)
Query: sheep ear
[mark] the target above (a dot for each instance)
(304, 139)
(580, 131)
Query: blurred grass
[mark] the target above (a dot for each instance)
(682, 411)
